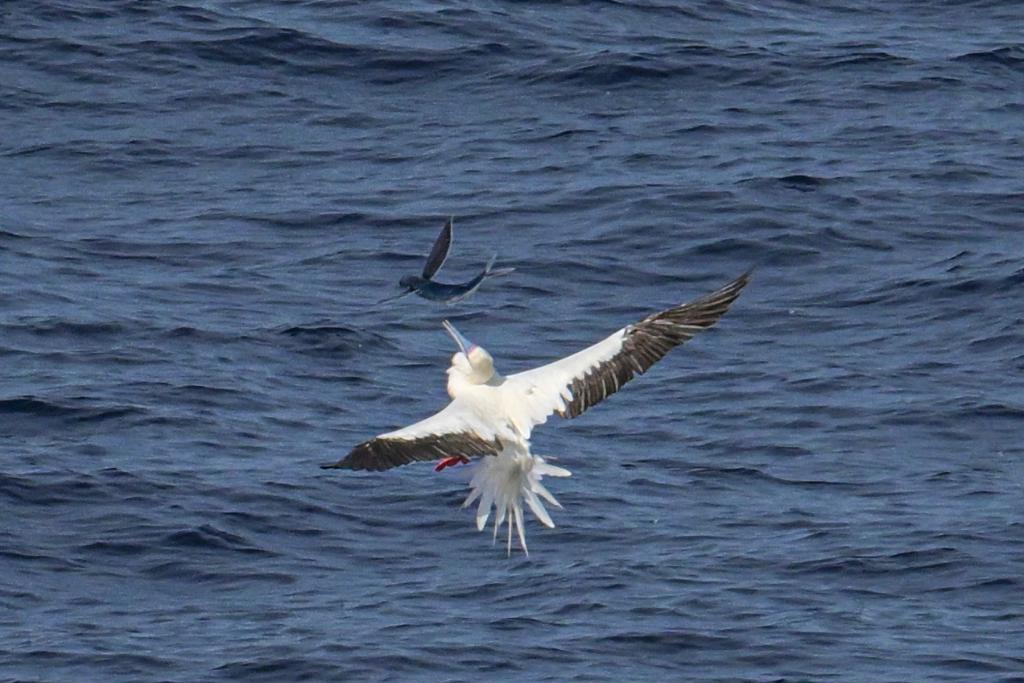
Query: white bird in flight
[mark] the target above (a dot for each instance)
(491, 416)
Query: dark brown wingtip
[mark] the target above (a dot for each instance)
(647, 342)
(736, 284)
(380, 454)
(340, 465)
(355, 460)
(715, 304)
(359, 458)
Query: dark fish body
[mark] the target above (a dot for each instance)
(439, 291)
(450, 293)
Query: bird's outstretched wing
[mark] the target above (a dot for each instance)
(453, 431)
(439, 252)
(573, 384)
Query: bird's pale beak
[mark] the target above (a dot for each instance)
(464, 344)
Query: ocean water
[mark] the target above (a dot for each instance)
(201, 202)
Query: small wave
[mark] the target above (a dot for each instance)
(794, 181)
(608, 74)
(844, 237)
(319, 331)
(304, 53)
(121, 548)
(348, 121)
(332, 339)
(54, 489)
(921, 84)
(207, 537)
(729, 246)
(266, 46)
(802, 182)
(998, 342)
(179, 571)
(862, 59)
(294, 220)
(8, 235)
(113, 157)
(669, 641)
(609, 69)
(780, 251)
(720, 474)
(188, 332)
(15, 599)
(121, 662)
(997, 410)
(1009, 56)
(35, 407)
(997, 583)
(955, 284)
(292, 669)
(927, 560)
(69, 328)
(978, 665)
(562, 134)
(24, 490)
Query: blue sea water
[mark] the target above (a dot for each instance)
(201, 202)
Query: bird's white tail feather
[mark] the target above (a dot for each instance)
(504, 481)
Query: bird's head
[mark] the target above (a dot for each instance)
(410, 281)
(472, 361)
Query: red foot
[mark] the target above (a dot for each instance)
(448, 462)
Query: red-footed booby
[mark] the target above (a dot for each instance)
(491, 416)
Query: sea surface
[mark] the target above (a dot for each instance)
(202, 202)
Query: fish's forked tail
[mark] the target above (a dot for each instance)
(491, 271)
(504, 482)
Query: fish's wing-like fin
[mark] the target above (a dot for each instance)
(453, 431)
(568, 387)
(439, 252)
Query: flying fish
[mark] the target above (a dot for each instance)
(425, 286)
